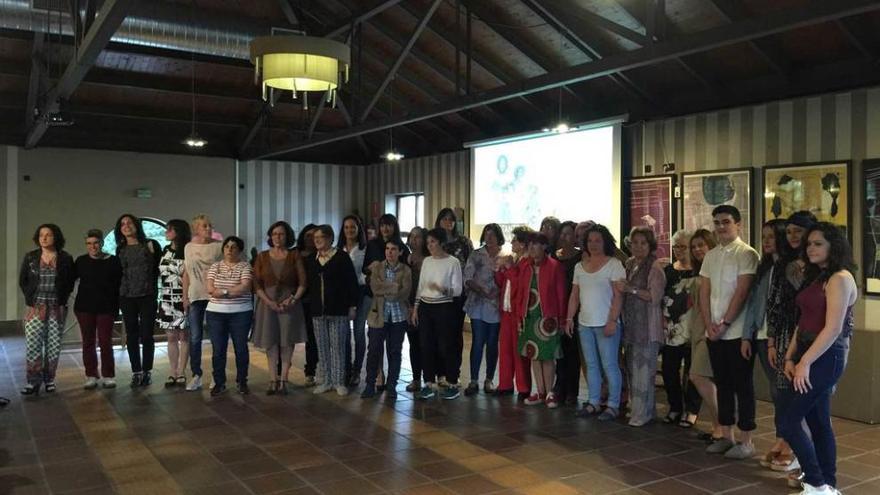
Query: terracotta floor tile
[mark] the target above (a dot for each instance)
(554, 487)
(672, 487)
(325, 472)
(593, 483)
(442, 470)
(514, 476)
(712, 481)
(349, 485)
(274, 482)
(399, 479)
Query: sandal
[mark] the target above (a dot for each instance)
(609, 414)
(769, 457)
(273, 387)
(688, 421)
(282, 387)
(180, 381)
(170, 382)
(30, 389)
(672, 417)
(50, 387)
(588, 410)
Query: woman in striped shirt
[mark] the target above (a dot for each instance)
(230, 313)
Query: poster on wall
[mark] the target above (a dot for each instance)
(651, 205)
(701, 192)
(871, 227)
(821, 188)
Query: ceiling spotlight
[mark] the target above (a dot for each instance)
(560, 128)
(194, 141)
(393, 156)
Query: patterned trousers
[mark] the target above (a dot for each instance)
(641, 366)
(330, 334)
(42, 336)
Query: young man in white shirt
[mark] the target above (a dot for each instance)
(727, 275)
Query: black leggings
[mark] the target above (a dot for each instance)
(139, 316)
(682, 395)
(438, 340)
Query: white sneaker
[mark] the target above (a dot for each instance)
(809, 489)
(109, 383)
(91, 383)
(320, 389)
(342, 391)
(194, 384)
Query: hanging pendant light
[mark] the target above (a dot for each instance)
(193, 140)
(392, 155)
(300, 64)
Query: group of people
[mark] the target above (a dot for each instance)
(564, 299)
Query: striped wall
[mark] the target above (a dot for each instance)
(9, 225)
(444, 179)
(837, 126)
(300, 193)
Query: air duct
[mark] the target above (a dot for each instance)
(153, 24)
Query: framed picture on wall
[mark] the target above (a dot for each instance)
(871, 226)
(701, 192)
(822, 188)
(651, 205)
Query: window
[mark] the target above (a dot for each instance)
(410, 212)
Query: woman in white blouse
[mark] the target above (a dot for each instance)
(435, 314)
(354, 242)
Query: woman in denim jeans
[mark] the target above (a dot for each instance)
(198, 255)
(481, 306)
(600, 303)
(816, 357)
(230, 313)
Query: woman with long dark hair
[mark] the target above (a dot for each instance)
(460, 247)
(568, 367)
(46, 279)
(773, 248)
(172, 314)
(353, 240)
(139, 257)
(817, 355)
(782, 315)
(279, 283)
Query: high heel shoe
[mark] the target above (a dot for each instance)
(30, 389)
(283, 388)
(273, 388)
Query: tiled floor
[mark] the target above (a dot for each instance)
(170, 441)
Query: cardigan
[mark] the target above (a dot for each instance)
(99, 279)
(293, 275)
(333, 286)
(551, 289)
(398, 290)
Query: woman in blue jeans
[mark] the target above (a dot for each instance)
(593, 291)
(817, 355)
(230, 313)
(481, 306)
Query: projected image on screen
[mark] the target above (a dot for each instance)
(568, 176)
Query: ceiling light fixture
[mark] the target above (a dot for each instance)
(300, 64)
(392, 155)
(193, 140)
(561, 127)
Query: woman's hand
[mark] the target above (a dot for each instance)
(746, 349)
(437, 287)
(801, 379)
(352, 313)
(771, 356)
(789, 370)
(568, 326)
(414, 317)
(610, 328)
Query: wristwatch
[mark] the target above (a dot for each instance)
(225, 292)
(635, 291)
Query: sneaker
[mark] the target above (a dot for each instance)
(195, 383)
(426, 393)
(391, 394)
(91, 383)
(551, 401)
(638, 423)
(451, 392)
(109, 383)
(30, 389)
(50, 387)
(488, 387)
(809, 489)
(472, 388)
(719, 446)
(136, 379)
(522, 396)
(147, 379)
(587, 411)
(533, 400)
(217, 390)
(609, 414)
(342, 390)
(243, 388)
(740, 452)
(320, 389)
(414, 386)
(310, 381)
(368, 393)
